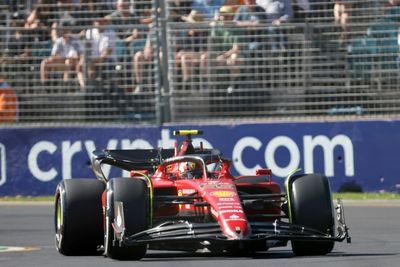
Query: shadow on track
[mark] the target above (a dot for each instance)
(208, 256)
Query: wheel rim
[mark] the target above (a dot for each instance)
(58, 221)
(59, 216)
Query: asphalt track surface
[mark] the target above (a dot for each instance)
(374, 227)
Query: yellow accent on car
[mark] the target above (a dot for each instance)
(223, 194)
(187, 132)
(150, 186)
(287, 181)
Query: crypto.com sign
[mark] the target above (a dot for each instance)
(34, 160)
(310, 143)
(62, 154)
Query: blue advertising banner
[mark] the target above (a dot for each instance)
(34, 160)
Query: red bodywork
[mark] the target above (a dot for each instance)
(193, 201)
(218, 188)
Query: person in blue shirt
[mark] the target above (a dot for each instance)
(249, 18)
(277, 12)
(208, 8)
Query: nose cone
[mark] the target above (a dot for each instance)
(228, 211)
(234, 226)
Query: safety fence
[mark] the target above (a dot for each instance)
(158, 61)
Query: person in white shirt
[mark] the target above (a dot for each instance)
(103, 49)
(66, 56)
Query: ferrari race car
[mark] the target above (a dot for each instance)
(186, 199)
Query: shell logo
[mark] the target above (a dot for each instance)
(223, 194)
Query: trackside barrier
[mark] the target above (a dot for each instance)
(34, 160)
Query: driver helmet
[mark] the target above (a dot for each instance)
(189, 170)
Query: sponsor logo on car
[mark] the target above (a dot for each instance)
(223, 194)
(231, 211)
(226, 199)
(234, 216)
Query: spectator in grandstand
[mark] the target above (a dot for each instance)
(191, 45)
(277, 12)
(342, 14)
(249, 18)
(18, 52)
(179, 8)
(141, 61)
(67, 11)
(89, 10)
(20, 42)
(103, 54)
(143, 10)
(225, 44)
(127, 24)
(301, 8)
(392, 9)
(234, 4)
(393, 2)
(19, 7)
(66, 56)
(123, 22)
(42, 20)
(8, 102)
(208, 8)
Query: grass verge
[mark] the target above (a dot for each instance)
(367, 196)
(26, 199)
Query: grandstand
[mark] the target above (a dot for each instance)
(150, 61)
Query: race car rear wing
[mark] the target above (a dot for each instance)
(137, 159)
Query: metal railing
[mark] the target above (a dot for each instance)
(165, 69)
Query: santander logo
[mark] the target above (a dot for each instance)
(223, 194)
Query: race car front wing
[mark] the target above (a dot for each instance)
(277, 230)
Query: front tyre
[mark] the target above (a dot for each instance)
(133, 193)
(78, 216)
(310, 204)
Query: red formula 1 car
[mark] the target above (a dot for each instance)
(186, 199)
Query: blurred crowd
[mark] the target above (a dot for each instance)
(58, 31)
(84, 41)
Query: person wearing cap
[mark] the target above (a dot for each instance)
(225, 44)
(66, 56)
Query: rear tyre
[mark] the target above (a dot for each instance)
(311, 205)
(78, 216)
(133, 193)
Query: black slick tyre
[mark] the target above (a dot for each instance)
(133, 193)
(78, 216)
(311, 206)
